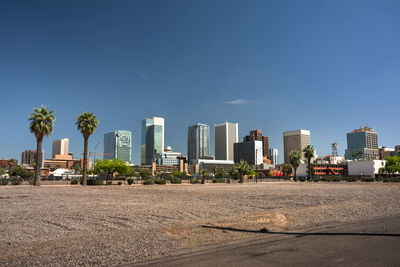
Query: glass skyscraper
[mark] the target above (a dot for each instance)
(118, 144)
(362, 144)
(152, 139)
(198, 142)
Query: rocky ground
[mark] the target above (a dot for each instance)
(111, 225)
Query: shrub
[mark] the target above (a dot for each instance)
(109, 183)
(302, 179)
(176, 174)
(4, 181)
(395, 179)
(176, 180)
(119, 183)
(351, 179)
(16, 180)
(95, 182)
(160, 181)
(316, 179)
(148, 181)
(130, 181)
(76, 181)
(195, 181)
(367, 179)
(218, 180)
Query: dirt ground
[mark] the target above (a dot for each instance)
(110, 225)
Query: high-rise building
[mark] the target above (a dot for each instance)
(256, 135)
(294, 140)
(118, 144)
(362, 144)
(250, 151)
(28, 157)
(274, 156)
(60, 147)
(226, 134)
(198, 142)
(152, 139)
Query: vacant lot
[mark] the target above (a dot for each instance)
(110, 225)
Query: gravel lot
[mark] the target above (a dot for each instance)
(111, 225)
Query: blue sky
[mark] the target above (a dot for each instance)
(325, 66)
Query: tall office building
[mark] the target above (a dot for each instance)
(28, 156)
(362, 144)
(250, 151)
(295, 140)
(226, 134)
(118, 144)
(256, 135)
(198, 142)
(274, 156)
(60, 147)
(152, 139)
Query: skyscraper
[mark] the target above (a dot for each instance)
(250, 151)
(362, 144)
(118, 144)
(28, 156)
(198, 141)
(226, 134)
(274, 156)
(256, 135)
(60, 147)
(295, 140)
(152, 139)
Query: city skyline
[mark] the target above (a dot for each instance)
(212, 62)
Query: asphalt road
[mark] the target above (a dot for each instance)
(371, 243)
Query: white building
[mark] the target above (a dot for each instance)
(365, 168)
(168, 157)
(226, 134)
(60, 147)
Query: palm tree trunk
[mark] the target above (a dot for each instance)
(203, 179)
(36, 179)
(295, 174)
(85, 151)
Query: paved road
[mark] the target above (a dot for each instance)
(372, 243)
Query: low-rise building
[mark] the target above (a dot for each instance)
(321, 169)
(365, 167)
(168, 157)
(385, 152)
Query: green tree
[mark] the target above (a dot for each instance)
(87, 125)
(109, 167)
(41, 125)
(309, 153)
(243, 168)
(144, 174)
(76, 168)
(286, 169)
(204, 173)
(11, 163)
(20, 172)
(392, 164)
(295, 161)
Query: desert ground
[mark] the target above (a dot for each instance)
(111, 225)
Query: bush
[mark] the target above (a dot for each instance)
(302, 179)
(148, 181)
(367, 179)
(385, 180)
(395, 179)
(176, 180)
(76, 181)
(316, 179)
(130, 181)
(16, 180)
(160, 181)
(333, 178)
(95, 182)
(351, 179)
(195, 181)
(109, 183)
(4, 181)
(119, 183)
(176, 174)
(218, 180)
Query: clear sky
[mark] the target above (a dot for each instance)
(325, 66)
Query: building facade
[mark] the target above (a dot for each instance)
(60, 147)
(28, 157)
(198, 142)
(226, 134)
(168, 157)
(250, 151)
(118, 144)
(256, 135)
(152, 139)
(274, 156)
(362, 144)
(385, 152)
(294, 141)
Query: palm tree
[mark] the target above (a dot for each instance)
(294, 158)
(243, 168)
(309, 153)
(11, 163)
(87, 124)
(42, 124)
(204, 173)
